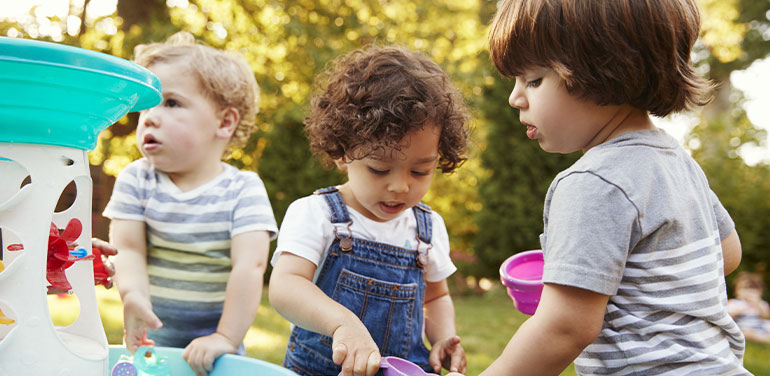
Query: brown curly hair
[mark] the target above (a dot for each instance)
(225, 77)
(375, 96)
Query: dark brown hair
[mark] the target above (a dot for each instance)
(749, 280)
(375, 96)
(611, 52)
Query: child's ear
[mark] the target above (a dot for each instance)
(340, 162)
(228, 123)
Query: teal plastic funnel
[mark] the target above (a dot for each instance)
(62, 95)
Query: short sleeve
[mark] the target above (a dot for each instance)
(724, 221)
(253, 211)
(440, 264)
(127, 199)
(305, 230)
(590, 224)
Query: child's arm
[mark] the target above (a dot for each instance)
(566, 321)
(299, 300)
(133, 282)
(764, 309)
(248, 252)
(440, 329)
(731, 252)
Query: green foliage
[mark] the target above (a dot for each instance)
(512, 196)
(743, 190)
(288, 168)
(493, 204)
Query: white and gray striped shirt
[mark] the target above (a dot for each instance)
(635, 219)
(189, 235)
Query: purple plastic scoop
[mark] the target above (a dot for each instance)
(395, 366)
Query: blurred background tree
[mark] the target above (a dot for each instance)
(493, 204)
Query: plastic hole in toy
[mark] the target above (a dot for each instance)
(522, 275)
(67, 198)
(15, 179)
(11, 248)
(66, 308)
(67, 161)
(8, 320)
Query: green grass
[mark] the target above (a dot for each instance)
(485, 324)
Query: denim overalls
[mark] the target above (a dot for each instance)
(381, 283)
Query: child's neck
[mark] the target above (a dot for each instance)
(189, 180)
(626, 119)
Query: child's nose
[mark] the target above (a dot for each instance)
(150, 117)
(398, 185)
(517, 99)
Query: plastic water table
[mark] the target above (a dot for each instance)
(54, 101)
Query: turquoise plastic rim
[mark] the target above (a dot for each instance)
(226, 365)
(62, 95)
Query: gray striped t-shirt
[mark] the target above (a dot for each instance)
(635, 219)
(188, 240)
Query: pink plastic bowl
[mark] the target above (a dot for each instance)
(522, 274)
(395, 366)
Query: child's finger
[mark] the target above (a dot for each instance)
(373, 364)
(339, 352)
(146, 315)
(106, 248)
(434, 359)
(361, 364)
(454, 341)
(458, 362)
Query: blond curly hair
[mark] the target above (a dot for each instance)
(225, 77)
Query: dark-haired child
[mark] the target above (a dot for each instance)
(635, 242)
(357, 264)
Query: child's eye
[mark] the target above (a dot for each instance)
(172, 103)
(534, 83)
(378, 172)
(421, 173)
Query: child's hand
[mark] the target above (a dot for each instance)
(448, 353)
(107, 250)
(201, 353)
(355, 350)
(137, 320)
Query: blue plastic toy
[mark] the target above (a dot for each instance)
(62, 95)
(145, 362)
(225, 365)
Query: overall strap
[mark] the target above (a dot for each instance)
(339, 217)
(424, 225)
(337, 208)
(422, 214)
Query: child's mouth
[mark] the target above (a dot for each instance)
(531, 131)
(391, 208)
(150, 143)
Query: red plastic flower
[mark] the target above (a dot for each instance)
(59, 257)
